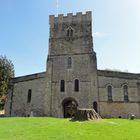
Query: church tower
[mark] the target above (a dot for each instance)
(71, 65)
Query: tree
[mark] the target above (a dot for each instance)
(6, 73)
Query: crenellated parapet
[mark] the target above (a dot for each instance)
(70, 17)
(68, 29)
(80, 23)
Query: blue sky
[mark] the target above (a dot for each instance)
(24, 32)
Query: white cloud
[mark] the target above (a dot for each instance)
(101, 34)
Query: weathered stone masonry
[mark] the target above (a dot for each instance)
(71, 79)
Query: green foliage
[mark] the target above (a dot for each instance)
(6, 72)
(64, 129)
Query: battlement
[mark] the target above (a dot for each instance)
(70, 17)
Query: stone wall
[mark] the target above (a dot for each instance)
(17, 104)
(83, 69)
(47, 99)
(79, 47)
(118, 107)
(81, 39)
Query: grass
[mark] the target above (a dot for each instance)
(64, 129)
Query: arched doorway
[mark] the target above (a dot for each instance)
(69, 107)
(95, 106)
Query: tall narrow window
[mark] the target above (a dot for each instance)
(69, 62)
(62, 85)
(29, 96)
(125, 92)
(95, 106)
(69, 31)
(109, 90)
(76, 85)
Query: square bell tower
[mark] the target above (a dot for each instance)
(71, 63)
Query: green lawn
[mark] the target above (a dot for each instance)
(64, 129)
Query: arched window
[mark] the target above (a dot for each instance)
(125, 92)
(109, 91)
(62, 85)
(76, 85)
(69, 62)
(95, 106)
(29, 96)
(70, 32)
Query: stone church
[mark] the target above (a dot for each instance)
(71, 79)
